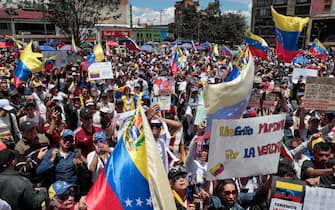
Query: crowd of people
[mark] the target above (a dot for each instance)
(55, 139)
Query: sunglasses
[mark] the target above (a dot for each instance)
(227, 193)
(102, 141)
(156, 125)
(66, 195)
(69, 139)
(180, 177)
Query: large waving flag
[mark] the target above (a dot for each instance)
(287, 30)
(258, 46)
(26, 66)
(131, 45)
(134, 175)
(228, 100)
(97, 55)
(50, 62)
(319, 50)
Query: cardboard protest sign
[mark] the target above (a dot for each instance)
(255, 99)
(245, 147)
(164, 85)
(320, 93)
(278, 204)
(297, 72)
(288, 189)
(319, 198)
(100, 70)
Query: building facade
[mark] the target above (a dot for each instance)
(322, 22)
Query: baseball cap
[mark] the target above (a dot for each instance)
(13, 93)
(173, 173)
(105, 110)
(58, 188)
(67, 132)
(6, 156)
(26, 126)
(4, 104)
(85, 112)
(98, 136)
(316, 141)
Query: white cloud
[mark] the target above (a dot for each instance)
(152, 17)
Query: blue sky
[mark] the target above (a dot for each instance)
(163, 4)
(148, 11)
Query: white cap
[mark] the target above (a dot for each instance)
(4, 104)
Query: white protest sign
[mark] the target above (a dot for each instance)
(164, 102)
(245, 147)
(319, 198)
(278, 204)
(100, 70)
(297, 72)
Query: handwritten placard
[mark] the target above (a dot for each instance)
(245, 147)
(320, 93)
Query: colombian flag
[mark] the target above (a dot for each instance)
(134, 175)
(287, 30)
(319, 50)
(258, 46)
(27, 64)
(97, 55)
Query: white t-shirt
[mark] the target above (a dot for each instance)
(100, 164)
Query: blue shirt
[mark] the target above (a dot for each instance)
(62, 168)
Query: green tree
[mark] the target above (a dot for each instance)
(233, 27)
(74, 16)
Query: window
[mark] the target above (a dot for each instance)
(279, 2)
(302, 10)
(4, 26)
(302, 1)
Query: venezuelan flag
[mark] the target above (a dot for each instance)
(288, 191)
(17, 42)
(134, 175)
(72, 88)
(50, 62)
(131, 45)
(94, 74)
(258, 46)
(226, 51)
(97, 55)
(236, 94)
(287, 30)
(27, 64)
(174, 66)
(319, 50)
(119, 92)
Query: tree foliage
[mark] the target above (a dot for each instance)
(210, 24)
(73, 16)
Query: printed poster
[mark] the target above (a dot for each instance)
(245, 147)
(100, 70)
(164, 85)
(320, 93)
(278, 204)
